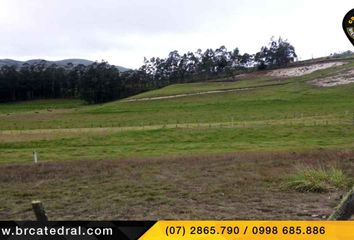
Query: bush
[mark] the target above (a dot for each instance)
(317, 179)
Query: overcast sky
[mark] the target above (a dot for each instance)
(123, 32)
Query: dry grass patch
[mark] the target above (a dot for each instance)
(232, 186)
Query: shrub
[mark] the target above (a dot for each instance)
(317, 179)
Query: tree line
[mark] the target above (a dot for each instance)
(94, 83)
(102, 82)
(199, 65)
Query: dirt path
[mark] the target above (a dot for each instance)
(202, 93)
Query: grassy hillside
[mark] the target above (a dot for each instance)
(154, 158)
(295, 116)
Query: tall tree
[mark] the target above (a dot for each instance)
(279, 53)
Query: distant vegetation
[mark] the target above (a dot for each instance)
(200, 65)
(102, 82)
(347, 53)
(139, 153)
(97, 82)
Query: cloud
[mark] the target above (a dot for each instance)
(123, 32)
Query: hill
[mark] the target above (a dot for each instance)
(218, 149)
(61, 63)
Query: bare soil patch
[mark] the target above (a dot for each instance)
(233, 186)
(340, 79)
(303, 70)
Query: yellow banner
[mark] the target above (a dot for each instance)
(251, 230)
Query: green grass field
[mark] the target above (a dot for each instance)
(285, 116)
(296, 116)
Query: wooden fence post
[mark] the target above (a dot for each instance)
(39, 211)
(345, 209)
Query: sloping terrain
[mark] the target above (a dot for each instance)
(303, 70)
(61, 63)
(344, 78)
(219, 155)
(249, 81)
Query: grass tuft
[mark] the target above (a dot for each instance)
(317, 179)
